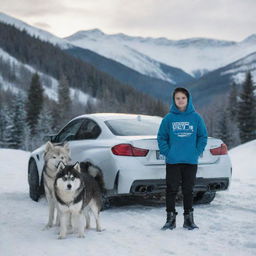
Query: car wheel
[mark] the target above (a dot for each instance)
(33, 181)
(204, 197)
(106, 204)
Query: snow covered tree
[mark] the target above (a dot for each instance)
(34, 102)
(232, 102)
(44, 127)
(247, 111)
(2, 120)
(64, 101)
(57, 124)
(18, 121)
(232, 115)
(3, 124)
(223, 126)
(27, 139)
(7, 141)
(90, 106)
(15, 122)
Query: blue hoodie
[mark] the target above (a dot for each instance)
(182, 136)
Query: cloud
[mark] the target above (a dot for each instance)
(42, 25)
(32, 7)
(175, 19)
(181, 19)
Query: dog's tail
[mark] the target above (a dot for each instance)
(95, 172)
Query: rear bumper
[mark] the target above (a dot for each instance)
(131, 173)
(213, 184)
(142, 187)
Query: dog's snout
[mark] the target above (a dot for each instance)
(69, 186)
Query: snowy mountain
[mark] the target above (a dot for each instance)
(147, 55)
(53, 63)
(149, 64)
(125, 55)
(194, 55)
(113, 47)
(238, 69)
(214, 85)
(33, 31)
(49, 83)
(157, 88)
(226, 226)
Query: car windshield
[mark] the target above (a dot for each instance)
(134, 127)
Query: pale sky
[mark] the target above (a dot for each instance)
(173, 19)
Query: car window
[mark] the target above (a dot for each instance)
(134, 127)
(68, 132)
(88, 130)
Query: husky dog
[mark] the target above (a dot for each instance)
(77, 193)
(52, 156)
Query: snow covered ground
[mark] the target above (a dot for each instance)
(227, 225)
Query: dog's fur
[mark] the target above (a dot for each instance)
(52, 157)
(77, 194)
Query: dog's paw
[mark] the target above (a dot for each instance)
(80, 236)
(46, 227)
(61, 237)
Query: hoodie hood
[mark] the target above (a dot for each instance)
(189, 109)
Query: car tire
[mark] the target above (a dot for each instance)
(106, 204)
(204, 197)
(33, 181)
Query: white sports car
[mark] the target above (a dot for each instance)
(125, 147)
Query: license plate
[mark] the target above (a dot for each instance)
(159, 156)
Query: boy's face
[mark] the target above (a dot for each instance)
(181, 100)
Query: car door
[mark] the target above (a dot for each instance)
(85, 142)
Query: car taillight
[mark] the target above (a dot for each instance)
(128, 150)
(222, 150)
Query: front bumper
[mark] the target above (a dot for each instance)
(143, 187)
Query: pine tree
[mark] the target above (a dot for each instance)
(44, 127)
(64, 101)
(18, 121)
(223, 126)
(34, 102)
(27, 139)
(3, 124)
(247, 111)
(7, 141)
(2, 120)
(14, 129)
(232, 103)
(90, 106)
(232, 112)
(57, 122)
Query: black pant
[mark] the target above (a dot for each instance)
(176, 175)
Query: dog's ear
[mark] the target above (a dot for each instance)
(77, 167)
(61, 166)
(49, 146)
(66, 147)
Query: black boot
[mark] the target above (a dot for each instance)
(189, 221)
(170, 221)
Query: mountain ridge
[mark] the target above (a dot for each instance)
(193, 55)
